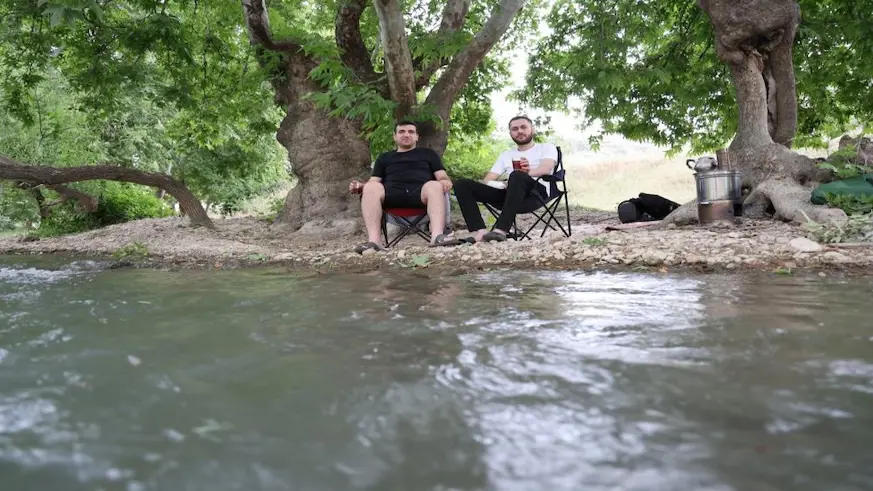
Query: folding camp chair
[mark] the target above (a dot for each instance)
(411, 220)
(548, 204)
(408, 219)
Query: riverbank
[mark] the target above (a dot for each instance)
(751, 245)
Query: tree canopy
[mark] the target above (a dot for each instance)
(648, 70)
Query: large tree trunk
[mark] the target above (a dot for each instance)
(51, 176)
(325, 154)
(754, 38)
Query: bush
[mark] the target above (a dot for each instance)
(66, 218)
(122, 202)
(17, 208)
(470, 157)
(6, 223)
(118, 203)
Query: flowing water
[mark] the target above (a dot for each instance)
(265, 380)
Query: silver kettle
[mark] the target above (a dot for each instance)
(702, 164)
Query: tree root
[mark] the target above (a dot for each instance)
(684, 215)
(781, 199)
(789, 201)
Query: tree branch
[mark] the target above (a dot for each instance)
(353, 51)
(51, 176)
(398, 60)
(461, 67)
(258, 23)
(86, 202)
(454, 16)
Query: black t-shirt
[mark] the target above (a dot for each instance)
(413, 167)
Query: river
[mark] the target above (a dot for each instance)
(265, 379)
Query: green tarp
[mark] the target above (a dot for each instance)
(860, 186)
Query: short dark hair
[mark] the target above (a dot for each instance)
(406, 122)
(516, 118)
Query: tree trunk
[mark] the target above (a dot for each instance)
(325, 154)
(754, 38)
(51, 176)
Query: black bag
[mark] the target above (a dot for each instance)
(645, 208)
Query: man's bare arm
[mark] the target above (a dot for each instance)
(444, 179)
(546, 167)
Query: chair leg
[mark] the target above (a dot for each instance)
(567, 208)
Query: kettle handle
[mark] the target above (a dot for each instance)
(689, 162)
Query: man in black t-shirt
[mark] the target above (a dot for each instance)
(407, 177)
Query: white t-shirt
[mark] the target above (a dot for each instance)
(535, 155)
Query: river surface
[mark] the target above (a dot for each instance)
(265, 379)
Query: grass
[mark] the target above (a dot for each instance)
(603, 185)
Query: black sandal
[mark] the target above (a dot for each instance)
(443, 240)
(494, 236)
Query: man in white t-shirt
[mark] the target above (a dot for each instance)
(523, 165)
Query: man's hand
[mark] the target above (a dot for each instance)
(525, 165)
(447, 185)
(356, 186)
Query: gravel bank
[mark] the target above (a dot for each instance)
(749, 246)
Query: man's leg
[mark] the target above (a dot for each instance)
(371, 208)
(520, 187)
(433, 196)
(469, 194)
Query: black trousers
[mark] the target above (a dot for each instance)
(469, 193)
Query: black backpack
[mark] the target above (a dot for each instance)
(645, 208)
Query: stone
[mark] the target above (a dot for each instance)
(655, 258)
(694, 259)
(401, 254)
(835, 257)
(802, 244)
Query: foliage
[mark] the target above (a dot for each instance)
(594, 241)
(174, 86)
(648, 70)
(17, 208)
(851, 204)
(159, 86)
(418, 261)
(273, 210)
(471, 156)
(117, 203)
(858, 228)
(123, 202)
(66, 218)
(843, 163)
(344, 96)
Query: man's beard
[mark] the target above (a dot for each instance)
(523, 142)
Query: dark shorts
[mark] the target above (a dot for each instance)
(398, 195)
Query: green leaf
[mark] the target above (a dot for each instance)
(421, 261)
(57, 14)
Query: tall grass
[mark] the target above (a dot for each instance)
(602, 185)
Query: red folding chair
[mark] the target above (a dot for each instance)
(407, 219)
